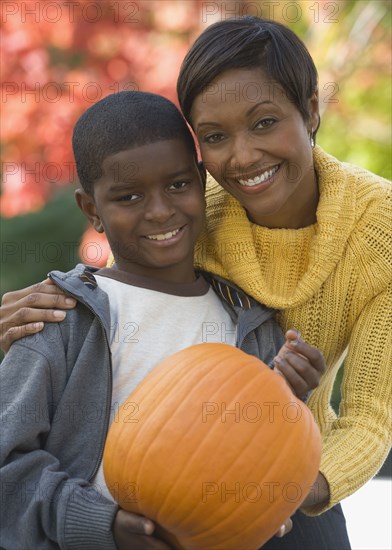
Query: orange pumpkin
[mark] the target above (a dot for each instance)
(214, 448)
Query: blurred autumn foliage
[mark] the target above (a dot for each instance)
(59, 57)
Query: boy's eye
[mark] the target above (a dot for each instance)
(178, 185)
(129, 197)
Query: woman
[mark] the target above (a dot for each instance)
(298, 230)
(301, 232)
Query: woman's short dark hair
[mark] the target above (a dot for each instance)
(246, 43)
(121, 121)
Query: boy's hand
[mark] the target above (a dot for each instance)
(284, 529)
(25, 311)
(131, 531)
(134, 532)
(301, 365)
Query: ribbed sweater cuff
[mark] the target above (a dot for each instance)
(89, 525)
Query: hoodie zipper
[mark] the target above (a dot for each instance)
(109, 393)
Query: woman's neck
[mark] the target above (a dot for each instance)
(299, 211)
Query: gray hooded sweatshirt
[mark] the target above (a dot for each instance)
(56, 389)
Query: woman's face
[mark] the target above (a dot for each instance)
(255, 143)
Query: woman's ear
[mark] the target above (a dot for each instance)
(203, 173)
(86, 203)
(314, 119)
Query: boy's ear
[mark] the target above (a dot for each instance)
(86, 203)
(203, 173)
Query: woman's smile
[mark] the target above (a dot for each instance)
(266, 176)
(258, 150)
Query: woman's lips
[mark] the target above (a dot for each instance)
(259, 178)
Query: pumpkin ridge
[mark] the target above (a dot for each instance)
(189, 398)
(293, 470)
(156, 379)
(200, 450)
(232, 538)
(127, 448)
(216, 470)
(155, 414)
(237, 511)
(270, 465)
(240, 452)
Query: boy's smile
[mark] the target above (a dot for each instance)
(150, 203)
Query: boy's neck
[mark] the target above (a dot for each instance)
(180, 274)
(197, 287)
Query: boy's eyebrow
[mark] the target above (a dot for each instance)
(186, 171)
(126, 185)
(121, 186)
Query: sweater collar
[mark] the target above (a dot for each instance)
(236, 249)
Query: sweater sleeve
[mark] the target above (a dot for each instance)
(42, 506)
(359, 440)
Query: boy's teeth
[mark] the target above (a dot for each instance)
(259, 179)
(163, 236)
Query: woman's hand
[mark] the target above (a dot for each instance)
(131, 531)
(300, 364)
(319, 493)
(25, 311)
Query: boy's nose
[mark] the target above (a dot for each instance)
(159, 208)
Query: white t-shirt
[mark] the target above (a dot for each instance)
(151, 320)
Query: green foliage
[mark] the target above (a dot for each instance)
(351, 50)
(36, 243)
(336, 394)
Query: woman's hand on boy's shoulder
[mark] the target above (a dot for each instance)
(24, 312)
(301, 364)
(136, 532)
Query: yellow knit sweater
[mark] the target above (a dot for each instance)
(332, 281)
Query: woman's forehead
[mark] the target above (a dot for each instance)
(247, 87)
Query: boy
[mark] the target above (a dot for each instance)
(142, 185)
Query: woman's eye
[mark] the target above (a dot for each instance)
(213, 138)
(265, 123)
(179, 185)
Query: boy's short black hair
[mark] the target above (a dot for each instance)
(121, 121)
(248, 42)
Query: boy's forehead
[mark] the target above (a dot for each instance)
(163, 155)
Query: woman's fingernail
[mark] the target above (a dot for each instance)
(70, 301)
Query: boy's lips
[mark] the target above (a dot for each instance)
(166, 236)
(260, 177)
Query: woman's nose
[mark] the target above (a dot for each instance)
(244, 155)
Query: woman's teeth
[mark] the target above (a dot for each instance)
(259, 179)
(163, 236)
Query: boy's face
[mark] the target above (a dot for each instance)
(150, 203)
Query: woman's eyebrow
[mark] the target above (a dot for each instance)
(248, 112)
